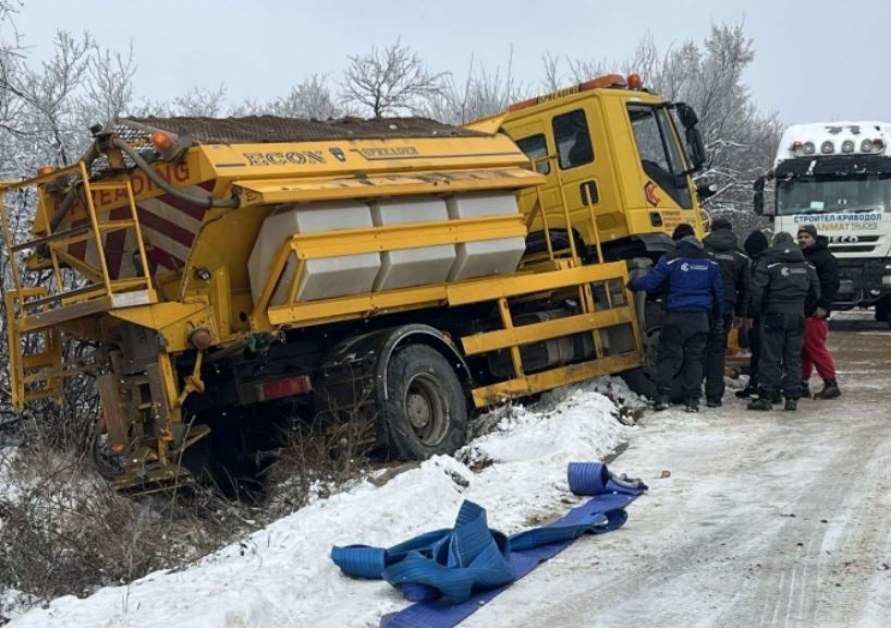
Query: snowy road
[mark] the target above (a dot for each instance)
(766, 519)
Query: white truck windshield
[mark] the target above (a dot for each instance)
(825, 194)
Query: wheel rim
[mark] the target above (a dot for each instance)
(426, 409)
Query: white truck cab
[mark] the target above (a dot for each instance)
(837, 177)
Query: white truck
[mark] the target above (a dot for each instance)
(837, 176)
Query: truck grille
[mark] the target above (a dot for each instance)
(852, 248)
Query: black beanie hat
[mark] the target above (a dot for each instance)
(811, 229)
(682, 231)
(756, 243)
(783, 238)
(721, 223)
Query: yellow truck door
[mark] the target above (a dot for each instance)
(577, 169)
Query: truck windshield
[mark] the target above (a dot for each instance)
(814, 195)
(660, 153)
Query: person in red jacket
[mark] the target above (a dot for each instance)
(816, 326)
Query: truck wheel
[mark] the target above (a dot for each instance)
(425, 413)
(643, 380)
(652, 329)
(639, 382)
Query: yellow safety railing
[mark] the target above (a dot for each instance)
(79, 285)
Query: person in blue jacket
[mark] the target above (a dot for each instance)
(694, 291)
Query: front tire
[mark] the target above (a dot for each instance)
(425, 413)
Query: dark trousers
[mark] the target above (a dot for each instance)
(779, 366)
(755, 350)
(682, 341)
(715, 355)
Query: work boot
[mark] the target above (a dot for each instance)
(661, 403)
(713, 403)
(805, 390)
(791, 405)
(761, 403)
(692, 405)
(747, 392)
(830, 390)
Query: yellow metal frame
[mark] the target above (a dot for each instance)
(37, 311)
(35, 374)
(553, 378)
(591, 320)
(100, 288)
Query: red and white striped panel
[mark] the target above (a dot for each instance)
(169, 226)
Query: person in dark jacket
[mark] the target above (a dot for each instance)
(681, 231)
(755, 245)
(694, 291)
(816, 326)
(783, 286)
(723, 247)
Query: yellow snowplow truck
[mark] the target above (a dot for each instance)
(400, 270)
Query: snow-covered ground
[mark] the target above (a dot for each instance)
(283, 576)
(756, 519)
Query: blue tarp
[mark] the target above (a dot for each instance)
(450, 573)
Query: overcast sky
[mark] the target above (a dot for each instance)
(815, 61)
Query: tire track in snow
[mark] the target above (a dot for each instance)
(817, 584)
(717, 544)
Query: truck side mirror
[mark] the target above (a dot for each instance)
(686, 115)
(695, 145)
(758, 199)
(696, 148)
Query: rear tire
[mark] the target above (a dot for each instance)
(425, 413)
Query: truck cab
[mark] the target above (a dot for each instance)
(837, 176)
(617, 170)
(611, 151)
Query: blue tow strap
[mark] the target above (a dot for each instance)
(450, 573)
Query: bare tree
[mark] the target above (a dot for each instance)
(198, 101)
(740, 140)
(10, 55)
(109, 88)
(47, 97)
(312, 99)
(481, 94)
(390, 81)
(49, 107)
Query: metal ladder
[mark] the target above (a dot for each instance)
(36, 305)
